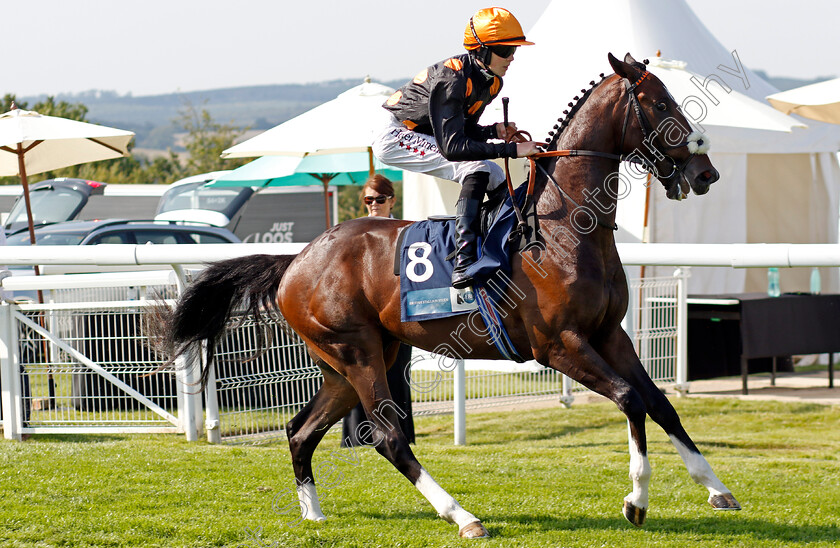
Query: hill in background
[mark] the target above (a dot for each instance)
(153, 117)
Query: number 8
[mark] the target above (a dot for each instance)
(425, 250)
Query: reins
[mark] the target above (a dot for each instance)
(532, 177)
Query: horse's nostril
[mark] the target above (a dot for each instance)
(709, 176)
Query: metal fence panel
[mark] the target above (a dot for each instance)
(654, 302)
(61, 388)
(61, 392)
(258, 393)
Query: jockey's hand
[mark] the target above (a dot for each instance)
(505, 133)
(527, 148)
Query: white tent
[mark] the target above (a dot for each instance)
(820, 101)
(780, 179)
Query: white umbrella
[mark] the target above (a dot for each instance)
(32, 143)
(820, 101)
(348, 123)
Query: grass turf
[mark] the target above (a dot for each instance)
(545, 477)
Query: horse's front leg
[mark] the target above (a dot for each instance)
(576, 358)
(618, 350)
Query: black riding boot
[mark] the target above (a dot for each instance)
(467, 226)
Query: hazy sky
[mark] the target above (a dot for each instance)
(155, 46)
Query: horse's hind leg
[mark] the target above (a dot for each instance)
(663, 413)
(371, 385)
(305, 431)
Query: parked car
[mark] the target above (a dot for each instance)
(266, 215)
(190, 200)
(277, 214)
(52, 201)
(115, 231)
(122, 231)
(65, 199)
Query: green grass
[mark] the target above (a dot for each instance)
(438, 386)
(547, 477)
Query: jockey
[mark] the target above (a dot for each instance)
(434, 127)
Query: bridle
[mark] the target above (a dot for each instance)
(659, 149)
(695, 142)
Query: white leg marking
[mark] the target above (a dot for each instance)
(446, 506)
(310, 507)
(639, 474)
(699, 469)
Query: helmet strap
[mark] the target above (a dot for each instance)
(482, 53)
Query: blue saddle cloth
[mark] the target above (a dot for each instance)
(425, 274)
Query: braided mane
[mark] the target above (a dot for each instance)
(564, 121)
(579, 100)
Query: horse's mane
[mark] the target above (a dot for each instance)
(579, 100)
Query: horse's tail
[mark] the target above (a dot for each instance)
(202, 311)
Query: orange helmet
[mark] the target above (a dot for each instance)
(494, 27)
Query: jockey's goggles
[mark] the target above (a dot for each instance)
(378, 199)
(503, 51)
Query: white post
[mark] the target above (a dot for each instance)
(681, 386)
(187, 388)
(186, 370)
(180, 277)
(629, 321)
(10, 375)
(566, 398)
(460, 403)
(211, 423)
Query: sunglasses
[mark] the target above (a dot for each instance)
(378, 199)
(503, 51)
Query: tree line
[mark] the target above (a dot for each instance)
(205, 140)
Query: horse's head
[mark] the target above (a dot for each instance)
(663, 141)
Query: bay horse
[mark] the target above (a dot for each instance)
(567, 296)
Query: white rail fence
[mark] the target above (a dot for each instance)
(81, 363)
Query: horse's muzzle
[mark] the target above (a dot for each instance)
(701, 183)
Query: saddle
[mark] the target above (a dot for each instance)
(424, 265)
(496, 203)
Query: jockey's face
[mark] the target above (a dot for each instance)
(499, 65)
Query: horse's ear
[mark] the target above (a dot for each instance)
(623, 68)
(629, 59)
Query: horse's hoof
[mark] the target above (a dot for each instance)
(724, 502)
(473, 530)
(634, 514)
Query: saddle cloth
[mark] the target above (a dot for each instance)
(426, 274)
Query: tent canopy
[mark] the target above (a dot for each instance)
(820, 101)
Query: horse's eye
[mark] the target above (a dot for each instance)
(661, 106)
